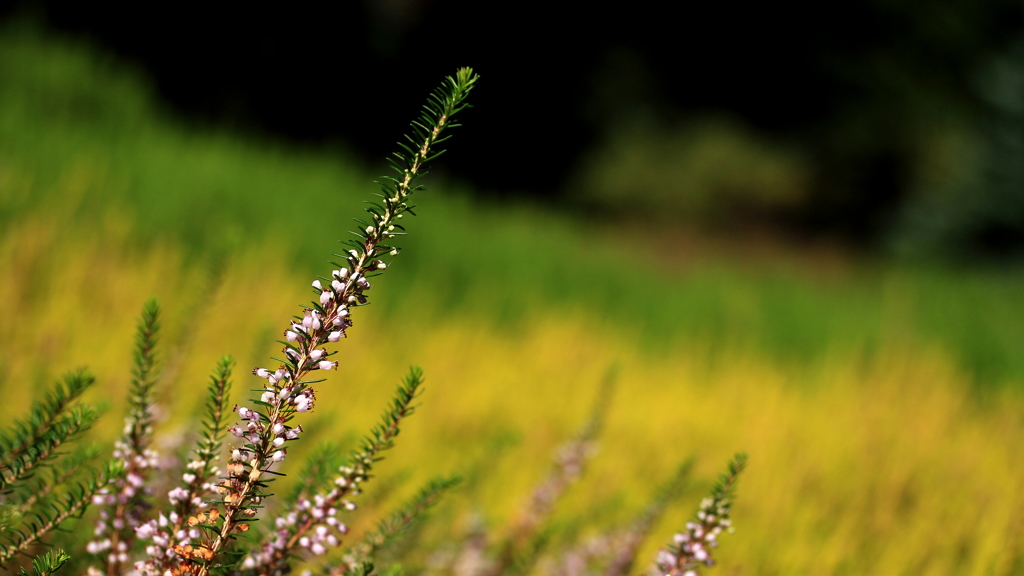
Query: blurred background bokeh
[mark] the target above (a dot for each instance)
(794, 232)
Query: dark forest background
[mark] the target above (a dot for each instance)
(892, 126)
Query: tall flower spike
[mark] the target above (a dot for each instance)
(691, 548)
(244, 487)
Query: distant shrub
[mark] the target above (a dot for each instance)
(202, 519)
(699, 172)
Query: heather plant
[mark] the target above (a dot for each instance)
(219, 513)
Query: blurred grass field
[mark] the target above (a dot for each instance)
(881, 403)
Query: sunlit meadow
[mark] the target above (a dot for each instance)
(881, 406)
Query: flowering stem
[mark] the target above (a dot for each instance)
(692, 548)
(287, 391)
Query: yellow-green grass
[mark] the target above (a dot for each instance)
(884, 463)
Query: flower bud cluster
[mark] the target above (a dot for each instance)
(115, 512)
(118, 551)
(255, 429)
(296, 530)
(345, 288)
(194, 486)
(311, 524)
(692, 547)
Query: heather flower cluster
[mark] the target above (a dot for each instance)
(311, 524)
(116, 512)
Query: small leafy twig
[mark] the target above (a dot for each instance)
(51, 423)
(61, 474)
(47, 564)
(78, 496)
